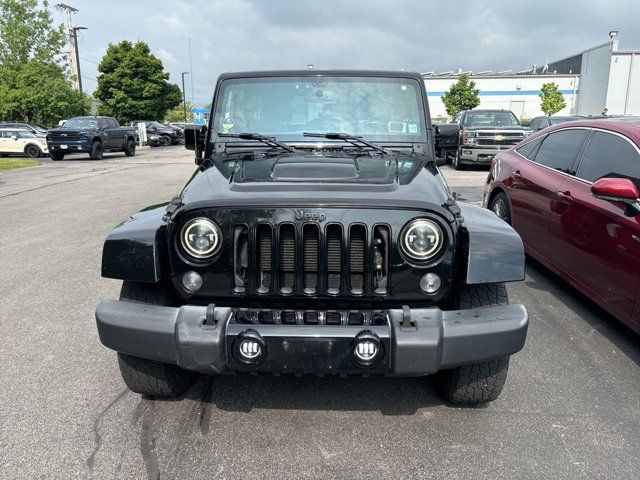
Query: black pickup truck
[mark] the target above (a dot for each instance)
(93, 135)
(476, 136)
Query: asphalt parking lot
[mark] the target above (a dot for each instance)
(569, 409)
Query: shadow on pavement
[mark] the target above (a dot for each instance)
(627, 341)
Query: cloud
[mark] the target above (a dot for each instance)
(386, 34)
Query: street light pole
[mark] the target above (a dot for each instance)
(184, 97)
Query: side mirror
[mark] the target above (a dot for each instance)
(14, 137)
(620, 190)
(194, 137)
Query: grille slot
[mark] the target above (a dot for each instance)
(380, 259)
(357, 255)
(310, 241)
(240, 258)
(334, 258)
(287, 258)
(333, 318)
(263, 261)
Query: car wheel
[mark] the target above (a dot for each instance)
(500, 206)
(149, 377)
(56, 156)
(32, 151)
(130, 148)
(166, 140)
(483, 381)
(456, 162)
(96, 151)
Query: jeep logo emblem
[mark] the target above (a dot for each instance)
(310, 216)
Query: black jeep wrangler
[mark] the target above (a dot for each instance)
(316, 236)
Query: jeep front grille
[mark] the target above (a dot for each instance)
(311, 259)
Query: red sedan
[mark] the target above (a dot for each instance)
(571, 192)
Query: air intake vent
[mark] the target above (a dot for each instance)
(263, 264)
(357, 254)
(287, 258)
(334, 258)
(310, 240)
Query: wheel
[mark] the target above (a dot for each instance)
(56, 156)
(32, 151)
(96, 151)
(166, 140)
(149, 377)
(155, 379)
(500, 206)
(130, 148)
(456, 162)
(483, 381)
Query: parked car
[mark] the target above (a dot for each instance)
(476, 136)
(571, 192)
(544, 121)
(154, 140)
(169, 135)
(315, 252)
(180, 125)
(93, 135)
(15, 141)
(35, 129)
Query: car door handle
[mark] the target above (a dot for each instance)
(565, 197)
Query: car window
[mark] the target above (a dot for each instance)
(559, 150)
(9, 133)
(609, 155)
(528, 150)
(26, 134)
(111, 123)
(535, 124)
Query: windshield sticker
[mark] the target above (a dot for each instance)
(413, 127)
(227, 124)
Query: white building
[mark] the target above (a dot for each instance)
(591, 80)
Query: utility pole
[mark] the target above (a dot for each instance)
(184, 97)
(73, 55)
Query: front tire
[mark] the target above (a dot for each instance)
(479, 382)
(55, 156)
(32, 151)
(457, 164)
(149, 377)
(166, 140)
(500, 206)
(130, 148)
(97, 151)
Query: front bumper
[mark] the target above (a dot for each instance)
(414, 342)
(480, 153)
(69, 146)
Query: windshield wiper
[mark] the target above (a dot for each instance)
(352, 139)
(261, 138)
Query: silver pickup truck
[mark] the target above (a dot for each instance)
(481, 135)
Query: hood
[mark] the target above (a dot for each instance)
(388, 181)
(312, 168)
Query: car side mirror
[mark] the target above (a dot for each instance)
(620, 190)
(194, 137)
(14, 137)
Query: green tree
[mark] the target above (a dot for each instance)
(132, 84)
(552, 99)
(462, 95)
(176, 114)
(33, 82)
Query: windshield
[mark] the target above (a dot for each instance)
(490, 119)
(379, 109)
(81, 123)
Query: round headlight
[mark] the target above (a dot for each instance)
(200, 237)
(421, 239)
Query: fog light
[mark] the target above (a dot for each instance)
(430, 283)
(249, 348)
(192, 282)
(366, 349)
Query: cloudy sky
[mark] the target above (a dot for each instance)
(231, 35)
